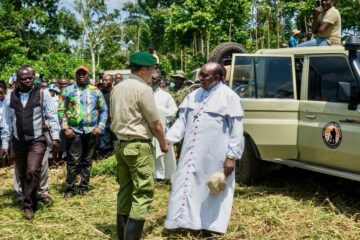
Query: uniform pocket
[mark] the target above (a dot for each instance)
(131, 151)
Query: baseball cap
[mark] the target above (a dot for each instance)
(82, 68)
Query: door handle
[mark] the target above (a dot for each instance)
(311, 116)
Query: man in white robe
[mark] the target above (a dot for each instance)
(210, 123)
(165, 163)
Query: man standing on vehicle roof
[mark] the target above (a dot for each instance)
(327, 24)
(135, 120)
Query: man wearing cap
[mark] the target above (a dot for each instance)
(293, 42)
(135, 120)
(178, 88)
(23, 125)
(83, 115)
(210, 124)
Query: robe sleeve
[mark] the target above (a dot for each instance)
(236, 142)
(177, 131)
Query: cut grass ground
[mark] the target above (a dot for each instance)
(289, 204)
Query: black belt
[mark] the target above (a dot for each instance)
(136, 140)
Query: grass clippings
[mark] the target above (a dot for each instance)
(288, 204)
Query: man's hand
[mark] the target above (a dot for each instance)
(229, 166)
(55, 145)
(317, 11)
(164, 148)
(69, 133)
(5, 153)
(96, 132)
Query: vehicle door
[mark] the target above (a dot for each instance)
(267, 87)
(329, 133)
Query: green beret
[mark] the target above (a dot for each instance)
(142, 59)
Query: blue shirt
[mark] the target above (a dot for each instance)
(293, 41)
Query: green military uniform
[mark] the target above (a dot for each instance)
(132, 108)
(180, 95)
(135, 176)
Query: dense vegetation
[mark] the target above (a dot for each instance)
(183, 31)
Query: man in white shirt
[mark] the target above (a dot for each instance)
(165, 163)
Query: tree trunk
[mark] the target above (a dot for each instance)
(181, 59)
(138, 38)
(93, 62)
(230, 31)
(202, 44)
(207, 44)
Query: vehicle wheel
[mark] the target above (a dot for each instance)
(223, 52)
(249, 166)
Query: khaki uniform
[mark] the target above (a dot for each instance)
(132, 108)
(333, 33)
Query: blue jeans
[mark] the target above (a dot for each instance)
(314, 42)
(107, 142)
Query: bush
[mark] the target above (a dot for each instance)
(105, 167)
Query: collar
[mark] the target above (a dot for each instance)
(81, 87)
(138, 78)
(213, 88)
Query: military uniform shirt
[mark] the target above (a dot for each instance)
(132, 108)
(333, 33)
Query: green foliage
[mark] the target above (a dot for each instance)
(105, 167)
(57, 65)
(165, 67)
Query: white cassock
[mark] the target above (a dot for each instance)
(210, 122)
(165, 163)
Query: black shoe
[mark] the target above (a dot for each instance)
(133, 229)
(69, 194)
(28, 214)
(121, 221)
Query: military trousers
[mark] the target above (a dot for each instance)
(135, 175)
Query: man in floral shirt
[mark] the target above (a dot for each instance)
(83, 115)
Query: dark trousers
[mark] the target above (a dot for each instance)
(28, 158)
(79, 154)
(107, 142)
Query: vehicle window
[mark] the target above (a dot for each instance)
(329, 79)
(263, 77)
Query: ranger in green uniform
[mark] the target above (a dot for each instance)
(135, 120)
(180, 90)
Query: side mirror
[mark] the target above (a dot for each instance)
(343, 92)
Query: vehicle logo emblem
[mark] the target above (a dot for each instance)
(332, 135)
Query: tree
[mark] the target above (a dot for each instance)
(95, 20)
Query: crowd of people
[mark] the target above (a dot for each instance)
(141, 120)
(179, 131)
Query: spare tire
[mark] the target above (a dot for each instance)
(223, 52)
